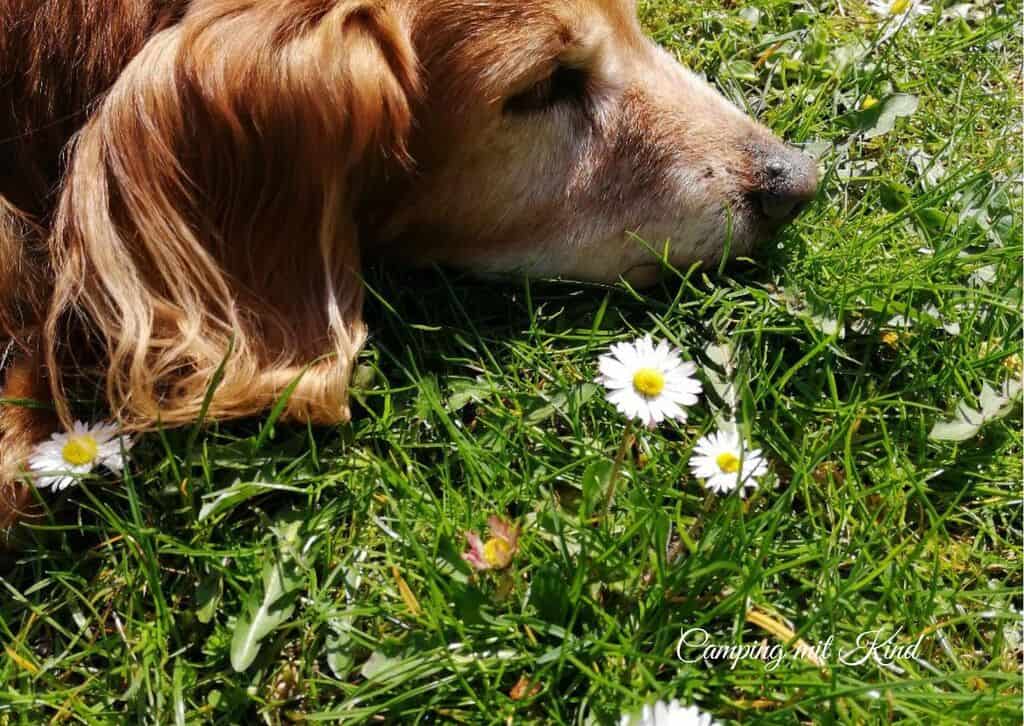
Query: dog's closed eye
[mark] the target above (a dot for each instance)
(565, 85)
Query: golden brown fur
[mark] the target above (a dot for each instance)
(191, 184)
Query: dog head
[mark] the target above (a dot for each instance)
(218, 201)
(554, 138)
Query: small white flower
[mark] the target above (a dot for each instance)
(721, 460)
(59, 461)
(897, 14)
(648, 382)
(667, 714)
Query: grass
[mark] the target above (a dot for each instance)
(340, 547)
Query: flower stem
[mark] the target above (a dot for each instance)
(613, 477)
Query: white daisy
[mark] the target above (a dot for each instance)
(897, 14)
(903, 8)
(721, 460)
(649, 382)
(667, 714)
(63, 458)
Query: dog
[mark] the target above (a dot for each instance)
(186, 183)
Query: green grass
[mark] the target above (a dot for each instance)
(122, 606)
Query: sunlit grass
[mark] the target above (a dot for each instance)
(126, 605)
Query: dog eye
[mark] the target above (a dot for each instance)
(564, 85)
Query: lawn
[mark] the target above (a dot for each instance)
(254, 572)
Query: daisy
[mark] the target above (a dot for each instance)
(498, 551)
(647, 381)
(721, 460)
(667, 714)
(63, 458)
(903, 8)
(897, 13)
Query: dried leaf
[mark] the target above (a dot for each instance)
(403, 588)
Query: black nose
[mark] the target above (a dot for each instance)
(787, 181)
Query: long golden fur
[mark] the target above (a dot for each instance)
(190, 183)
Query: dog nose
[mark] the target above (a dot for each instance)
(788, 181)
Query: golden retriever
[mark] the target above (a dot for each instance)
(184, 182)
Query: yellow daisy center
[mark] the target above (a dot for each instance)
(80, 450)
(497, 553)
(648, 382)
(728, 462)
(899, 7)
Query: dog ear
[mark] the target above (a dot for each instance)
(206, 217)
(23, 276)
(24, 422)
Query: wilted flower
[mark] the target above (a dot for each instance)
(984, 276)
(498, 551)
(649, 382)
(524, 688)
(993, 404)
(994, 346)
(59, 461)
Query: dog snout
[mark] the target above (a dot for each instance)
(787, 181)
